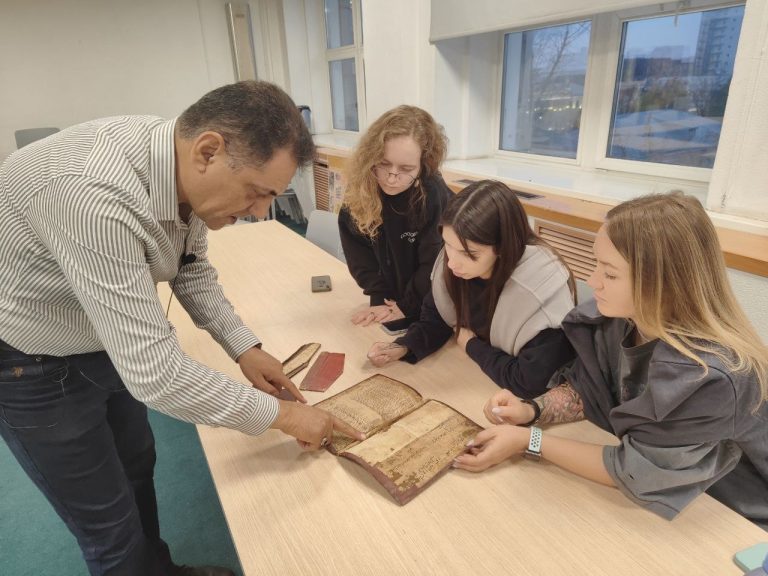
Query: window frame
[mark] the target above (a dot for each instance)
(352, 51)
(528, 156)
(599, 89)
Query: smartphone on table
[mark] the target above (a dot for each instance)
(321, 283)
(397, 327)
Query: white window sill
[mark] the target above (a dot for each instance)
(595, 185)
(342, 141)
(598, 186)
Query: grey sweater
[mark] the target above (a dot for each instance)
(683, 431)
(535, 297)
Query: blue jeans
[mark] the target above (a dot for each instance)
(87, 445)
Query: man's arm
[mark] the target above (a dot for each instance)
(197, 288)
(99, 242)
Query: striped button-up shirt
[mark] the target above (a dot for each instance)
(89, 224)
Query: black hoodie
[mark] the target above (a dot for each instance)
(397, 263)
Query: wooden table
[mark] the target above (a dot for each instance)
(294, 513)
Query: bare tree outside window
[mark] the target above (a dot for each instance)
(543, 87)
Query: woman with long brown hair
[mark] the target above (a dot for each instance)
(393, 201)
(666, 360)
(499, 288)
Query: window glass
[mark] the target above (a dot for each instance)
(672, 86)
(343, 94)
(338, 23)
(543, 88)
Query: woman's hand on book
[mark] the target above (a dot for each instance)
(492, 446)
(382, 353)
(506, 408)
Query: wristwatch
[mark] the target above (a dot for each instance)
(536, 411)
(533, 452)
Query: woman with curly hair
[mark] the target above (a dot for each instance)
(392, 205)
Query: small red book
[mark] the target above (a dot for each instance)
(324, 372)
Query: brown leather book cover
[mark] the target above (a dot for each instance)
(410, 441)
(324, 372)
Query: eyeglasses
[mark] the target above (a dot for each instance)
(383, 174)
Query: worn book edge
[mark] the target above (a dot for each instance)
(292, 371)
(403, 495)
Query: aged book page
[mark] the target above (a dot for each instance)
(416, 449)
(410, 442)
(369, 406)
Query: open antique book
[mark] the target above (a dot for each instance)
(409, 441)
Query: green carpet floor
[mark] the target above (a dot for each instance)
(35, 542)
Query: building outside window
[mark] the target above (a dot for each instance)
(672, 86)
(672, 70)
(343, 33)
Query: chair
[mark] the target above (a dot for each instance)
(323, 231)
(29, 135)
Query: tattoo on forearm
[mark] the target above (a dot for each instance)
(561, 404)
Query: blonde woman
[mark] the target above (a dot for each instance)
(391, 211)
(666, 361)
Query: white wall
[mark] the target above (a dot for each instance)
(297, 51)
(739, 183)
(752, 293)
(68, 62)
(398, 64)
(465, 87)
(392, 47)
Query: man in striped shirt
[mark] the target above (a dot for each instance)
(91, 219)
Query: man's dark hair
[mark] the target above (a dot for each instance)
(254, 118)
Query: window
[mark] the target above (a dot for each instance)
(672, 85)
(344, 56)
(542, 89)
(642, 92)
